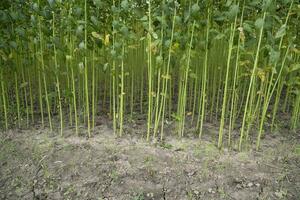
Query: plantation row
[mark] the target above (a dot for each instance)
(235, 63)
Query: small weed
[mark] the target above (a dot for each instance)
(114, 175)
(166, 145)
(297, 150)
(139, 197)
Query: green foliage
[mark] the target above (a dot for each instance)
(232, 62)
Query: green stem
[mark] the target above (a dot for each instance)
(251, 82)
(4, 102)
(87, 105)
(56, 76)
(149, 118)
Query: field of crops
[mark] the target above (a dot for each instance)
(166, 75)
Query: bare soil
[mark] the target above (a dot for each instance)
(37, 164)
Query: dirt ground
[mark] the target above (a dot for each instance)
(36, 164)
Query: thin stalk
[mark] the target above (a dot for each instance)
(149, 116)
(87, 105)
(251, 82)
(56, 76)
(204, 79)
(121, 111)
(30, 97)
(268, 99)
(233, 106)
(93, 88)
(230, 47)
(4, 102)
(43, 71)
(113, 73)
(26, 98)
(17, 100)
(185, 83)
(167, 78)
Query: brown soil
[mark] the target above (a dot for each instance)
(35, 164)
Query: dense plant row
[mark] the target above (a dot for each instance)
(231, 62)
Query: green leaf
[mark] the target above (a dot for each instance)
(233, 11)
(247, 27)
(68, 57)
(274, 71)
(166, 146)
(159, 60)
(274, 56)
(13, 44)
(228, 3)
(193, 75)
(51, 2)
(94, 20)
(96, 35)
(281, 32)
(78, 11)
(81, 45)
(35, 7)
(144, 18)
(98, 3)
(113, 53)
(220, 36)
(68, 93)
(124, 4)
(52, 94)
(176, 117)
(294, 67)
(259, 23)
(23, 84)
(154, 35)
(81, 66)
(195, 8)
(105, 66)
(178, 20)
(3, 55)
(266, 4)
(79, 30)
(115, 10)
(124, 30)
